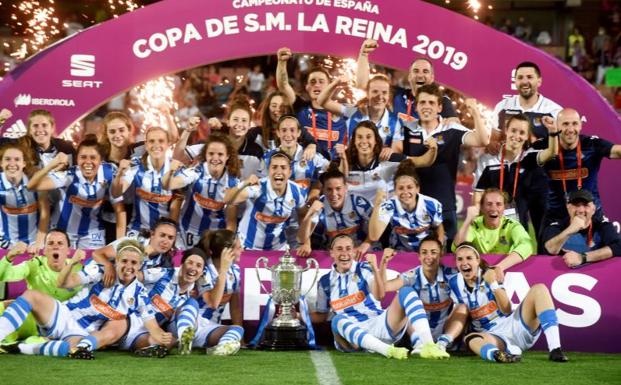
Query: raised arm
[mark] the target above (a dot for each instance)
(550, 152)
(171, 182)
(462, 234)
(44, 220)
(429, 156)
(325, 97)
(282, 78)
(377, 286)
(479, 137)
(104, 256)
(502, 300)
(119, 185)
(554, 245)
(41, 180)
(10, 273)
(239, 194)
(179, 152)
(376, 226)
(213, 297)
(67, 278)
(362, 70)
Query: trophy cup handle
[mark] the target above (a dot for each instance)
(309, 263)
(257, 266)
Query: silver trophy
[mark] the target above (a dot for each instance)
(286, 331)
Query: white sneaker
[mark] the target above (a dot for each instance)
(224, 349)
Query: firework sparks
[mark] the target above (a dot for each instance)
(118, 7)
(153, 100)
(39, 25)
(343, 66)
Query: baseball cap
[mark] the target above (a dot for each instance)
(580, 196)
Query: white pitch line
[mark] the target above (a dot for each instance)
(324, 368)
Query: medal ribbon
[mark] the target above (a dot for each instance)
(502, 172)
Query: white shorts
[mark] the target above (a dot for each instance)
(204, 329)
(62, 325)
(94, 240)
(136, 329)
(378, 328)
(515, 333)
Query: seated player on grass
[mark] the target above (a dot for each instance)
(500, 334)
(351, 292)
(169, 292)
(40, 273)
(430, 282)
(75, 324)
(221, 286)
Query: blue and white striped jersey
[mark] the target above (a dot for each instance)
(409, 228)
(436, 297)
(18, 212)
(348, 293)
(96, 304)
(352, 218)
(151, 200)
(232, 286)
(164, 292)
(481, 303)
(388, 126)
(203, 208)
(365, 181)
(267, 215)
(79, 208)
(304, 173)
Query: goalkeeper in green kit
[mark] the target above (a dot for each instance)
(41, 274)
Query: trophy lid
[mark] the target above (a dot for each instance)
(287, 257)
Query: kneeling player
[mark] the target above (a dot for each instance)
(501, 335)
(351, 290)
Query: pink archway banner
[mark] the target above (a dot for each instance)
(76, 75)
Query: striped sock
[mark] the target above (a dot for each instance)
(49, 348)
(344, 327)
(88, 342)
(234, 333)
(415, 311)
(445, 340)
(187, 316)
(487, 352)
(549, 324)
(14, 316)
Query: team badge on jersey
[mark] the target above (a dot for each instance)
(352, 215)
(442, 285)
(386, 129)
(503, 240)
(355, 278)
(440, 139)
(376, 176)
(130, 302)
(302, 163)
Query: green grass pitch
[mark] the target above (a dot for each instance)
(256, 367)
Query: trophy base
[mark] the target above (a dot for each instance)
(284, 338)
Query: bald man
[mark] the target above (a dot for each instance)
(577, 165)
